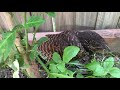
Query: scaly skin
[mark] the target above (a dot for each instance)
(87, 41)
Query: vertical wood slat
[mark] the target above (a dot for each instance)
(47, 26)
(67, 20)
(5, 21)
(64, 19)
(86, 18)
(107, 20)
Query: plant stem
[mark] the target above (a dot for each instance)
(34, 34)
(53, 22)
(26, 33)
(35, 30)
(43, 65)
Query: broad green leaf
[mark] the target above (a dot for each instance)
(99, 71)
(41, 40)
(51, 14)
(53, 68)
(108, 63)
(34, 21)
(16, 74)
(34, 53)
(61, 66)
(93, 65)
(60, 75)
(6, 44)
(56, 57)
(69, 53)
(79, 75)
(115, 72)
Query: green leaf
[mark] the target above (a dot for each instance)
(93, 65)
(115, 72)
(56, 57)
(51, 14)
(70, 52)
(61, 66)
(41, 40)
(108, 63)
(79, 75)
(19, 58)
(99, 71)
(60, 75)
(34, 21)
(34, 53)
(6, 44)
(53, 68)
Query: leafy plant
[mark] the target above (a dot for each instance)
(102, 69)
(24, 50)
(57, 67)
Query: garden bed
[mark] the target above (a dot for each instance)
(111, 36)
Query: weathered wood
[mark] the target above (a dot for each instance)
(63, 19)
(19, 18)
(5, 22)
(105, 33)
(106, 20)
(47, 26)
(71, 20)
(86, 18)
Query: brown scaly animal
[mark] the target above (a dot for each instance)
(87, 41)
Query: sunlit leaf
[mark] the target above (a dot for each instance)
(115, 72)
(34, 53)
(108, 63)
(56, 57)
(6, 44)
(53, 68)
(34, 21)
(70, 52)
(61, 66)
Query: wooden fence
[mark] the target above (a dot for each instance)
(70, 20)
